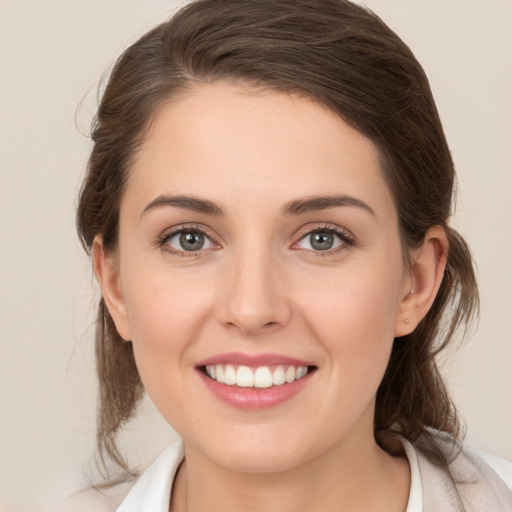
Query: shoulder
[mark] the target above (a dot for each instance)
(148, 493)
(480, 481)
(152, 491)
(502, 467)
(97, 500)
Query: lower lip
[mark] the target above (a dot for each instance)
(255, 398)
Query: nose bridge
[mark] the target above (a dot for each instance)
(255, 297)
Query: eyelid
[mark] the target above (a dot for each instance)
(168, 233)
(344, 234)
(347, 238)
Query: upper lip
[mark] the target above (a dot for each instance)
(252, 360)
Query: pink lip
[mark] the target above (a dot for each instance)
(253, 398)
(239, 359)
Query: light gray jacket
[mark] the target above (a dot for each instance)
(485, 485)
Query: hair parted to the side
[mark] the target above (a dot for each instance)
(345, 58)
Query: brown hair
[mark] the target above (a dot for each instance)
(344, 57)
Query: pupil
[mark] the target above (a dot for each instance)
(192, 241)
(322, 241)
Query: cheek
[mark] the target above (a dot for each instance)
(166, 314)
(356, 331)
(354, 318)
(353, 301)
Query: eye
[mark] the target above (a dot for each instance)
(188, 240)
(323, 239)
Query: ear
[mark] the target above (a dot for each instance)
(427, 265)
(106, 269)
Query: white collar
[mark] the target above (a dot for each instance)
(431, 490)
(152, 491)
(415, 502)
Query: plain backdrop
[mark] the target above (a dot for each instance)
(52, 55)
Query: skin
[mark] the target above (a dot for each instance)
(259, 286)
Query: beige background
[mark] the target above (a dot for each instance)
(52, 54)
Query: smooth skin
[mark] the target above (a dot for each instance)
(260, 283)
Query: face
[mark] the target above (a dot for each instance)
(259, 242)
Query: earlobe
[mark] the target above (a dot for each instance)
(106, 269)
(427, 265)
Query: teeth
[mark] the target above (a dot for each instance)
(290, 374)
(263, 377)
(244, 377)
(229, 375)
(300, 372)
(278, 376)
(260, 377)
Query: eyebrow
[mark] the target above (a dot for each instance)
(295, 207)
(195, 204)
(317, 203)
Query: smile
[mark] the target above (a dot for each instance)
(255, 382)
(259, 377)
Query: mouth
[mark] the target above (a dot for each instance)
(260, 377)
(254, 382)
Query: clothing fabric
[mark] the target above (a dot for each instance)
(484, 483)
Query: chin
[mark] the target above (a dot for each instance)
(257, 455)
(258, 463)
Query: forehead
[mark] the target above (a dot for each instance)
(226, 141)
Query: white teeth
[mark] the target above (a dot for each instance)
(210, 370)
(278, 377)
(300, 372)
(260, 377)
(290, 374)
(229, 375)
(263, 377)
(244, 377)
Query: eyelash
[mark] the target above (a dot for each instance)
(164, 238)
(347, 239)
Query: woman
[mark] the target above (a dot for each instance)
(267, 207)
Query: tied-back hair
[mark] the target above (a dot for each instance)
(345, 58)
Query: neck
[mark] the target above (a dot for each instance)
(344, 478)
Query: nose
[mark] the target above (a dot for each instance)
(255, 300)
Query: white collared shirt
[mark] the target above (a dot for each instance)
(486, 487)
